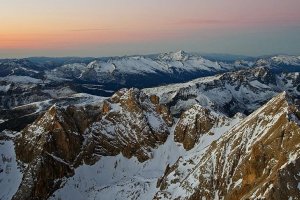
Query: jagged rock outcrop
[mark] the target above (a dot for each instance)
(258, 158)
(48, 148)
(133, 124)
(261, 74)
(193, 123)
(242, 91)
(63, 138)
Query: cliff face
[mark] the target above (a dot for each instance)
(48, 148)
(196, 122)
(256, 158)
(51, 148)
(132, 124)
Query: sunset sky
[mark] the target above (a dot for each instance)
(124, 27)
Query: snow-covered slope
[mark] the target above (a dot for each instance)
(25, 84)
(10, 172)
(256, 159)
(142, 65)
(19, 67)
(280, 63)
(144, 70)
(116, 177)
(241, 91)
(25, 81)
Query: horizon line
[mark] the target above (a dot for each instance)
(152, 54)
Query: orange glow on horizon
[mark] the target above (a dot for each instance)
(57, 25)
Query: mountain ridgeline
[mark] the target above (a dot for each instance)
(232, 135)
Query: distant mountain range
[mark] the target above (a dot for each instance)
(104, 76)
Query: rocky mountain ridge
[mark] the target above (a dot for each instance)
(241, 91)
(256, 159)
(30, 86)
(29, 80)
(56, 145)
(60, 140)
(213, 137)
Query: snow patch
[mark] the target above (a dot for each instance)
(10, 174)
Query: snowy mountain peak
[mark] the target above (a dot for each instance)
(180, 55)
(194, 123)
(280, 62)
(284, 59)
(175, 56)
(100, 67)
(248, 161)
